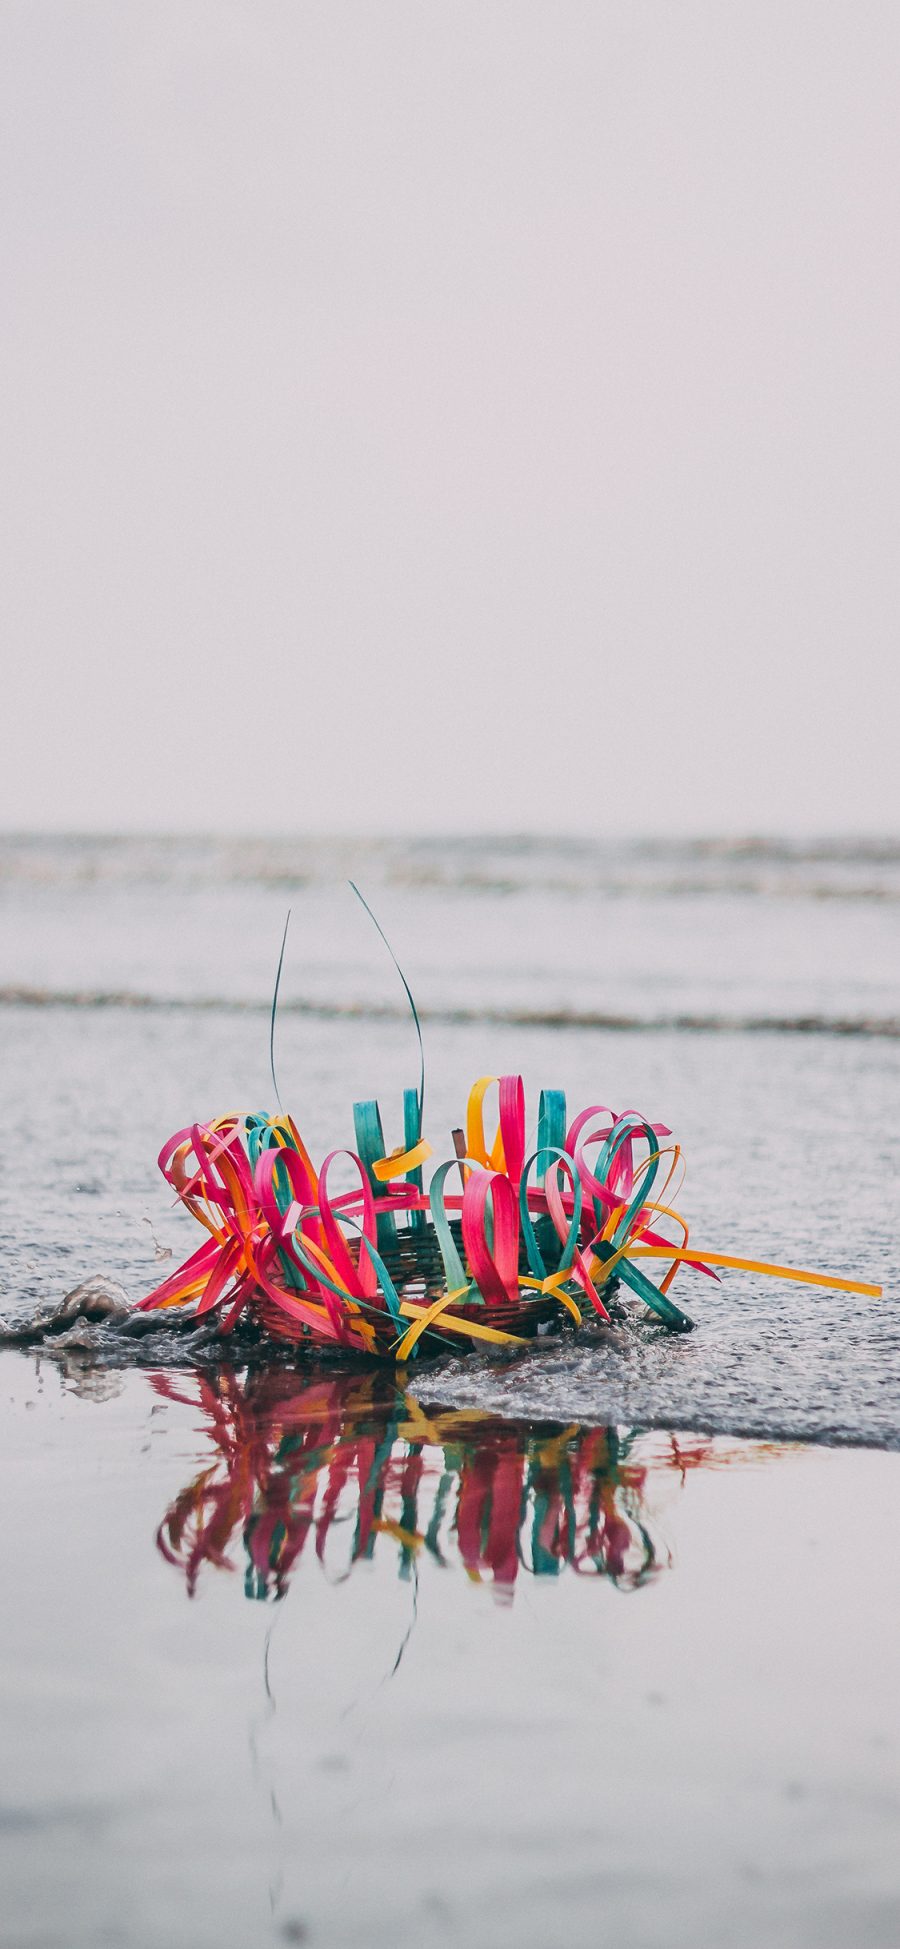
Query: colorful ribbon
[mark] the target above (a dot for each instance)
(523, 1239)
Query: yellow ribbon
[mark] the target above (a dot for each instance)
(476, 1142)
(470, 1328)
(432, 1312)
(554, 1284)
(701, 1257)
(398, 1162)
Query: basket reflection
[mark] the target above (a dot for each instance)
(339, 1466)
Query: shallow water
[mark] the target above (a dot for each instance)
(643, 933)
(310, 1659)
(542, 1649)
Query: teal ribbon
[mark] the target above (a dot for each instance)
(551, 1130)
(660, 1303)
(532, 1249)
(412, 1131)
(455, 1273)
(370, 1146)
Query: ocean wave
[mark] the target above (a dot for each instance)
(653, 1022)
(490, 865)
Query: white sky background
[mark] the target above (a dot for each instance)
(450, 415)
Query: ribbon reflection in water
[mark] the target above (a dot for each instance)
(338, 1466)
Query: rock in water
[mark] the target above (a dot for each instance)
(97, 1298)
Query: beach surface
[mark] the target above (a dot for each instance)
(597, 1644)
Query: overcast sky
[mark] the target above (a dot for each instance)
(450, 414)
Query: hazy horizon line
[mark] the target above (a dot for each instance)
(512, 835)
